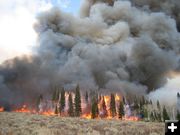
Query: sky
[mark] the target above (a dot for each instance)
(17, 36)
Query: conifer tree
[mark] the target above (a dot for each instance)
(56, 110)
(143, 100)
(121, 110)
(136, 106)
(145, 113)
(57, 95)
(104, 108)
(99, 97)
(113, 106)
(124, 101)
(71, 107)
(77, 102)
(54, 96)
(165, 114)
(150, 102)
(178, 115)
(152, 116)
(94, 108)
(158, 105)
(39, 100)
(155, 116)
(86, 97)
(159, 116)
(62, 101)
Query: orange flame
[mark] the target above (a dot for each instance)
(24, 109)
(103, 113)
(1, 109)
(131, 118)
(86, 116)
(48, 113)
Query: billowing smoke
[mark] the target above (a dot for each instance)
(114, 46)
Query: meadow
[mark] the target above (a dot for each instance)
(12, 123)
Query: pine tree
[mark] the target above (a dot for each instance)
(77, 102)
(86, 97)
(143, 100)
(158, 105)
(145, 113)
(136, 106)
(94, 108)
(62, 101)
(159, 116)
(113, 106)
(155, 116)
(152, 116)
(39, 100)
(150, 102)
(99, 97)
(71, 108)
(56, 110)
(124, 101)
(165, 114)
(54, 96)
(178, 115)
(142, 112)
(57, 95)
(121, 110)
(105, 113)
(140, 105)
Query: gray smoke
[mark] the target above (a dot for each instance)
(113, 46)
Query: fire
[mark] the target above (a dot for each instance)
(47, 108)
(131, 118)
(117, 98)
(1, 109)
(107, 99)
(48, 113)
(86, 116)
(24, 109)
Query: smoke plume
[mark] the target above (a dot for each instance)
(115, 45)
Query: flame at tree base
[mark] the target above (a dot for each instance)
(103, 103)
(1, 109)
(25, 109)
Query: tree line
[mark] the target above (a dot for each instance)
(139, 106)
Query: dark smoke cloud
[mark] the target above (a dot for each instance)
(114, 46)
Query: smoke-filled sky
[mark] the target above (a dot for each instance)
(125, 46)
(18, 16)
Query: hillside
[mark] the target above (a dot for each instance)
(32, 124)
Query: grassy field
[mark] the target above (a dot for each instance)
(31, 124)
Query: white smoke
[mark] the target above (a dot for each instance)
(167, 94)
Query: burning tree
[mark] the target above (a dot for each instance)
(77, 102)
(121, 110)
(71, 107)
(39, 100)
(113, 105)
(56, 110)
(62, 101)
(55, 96)
(104, 108)
(86, 97)
(94, 108)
